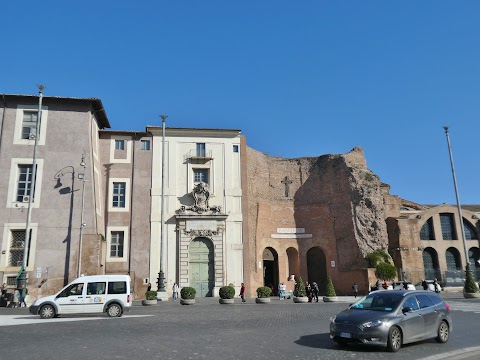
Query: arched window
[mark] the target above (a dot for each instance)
(426, 233)
(453, 259)
(430, 263)
(447, 221)
(470, 233)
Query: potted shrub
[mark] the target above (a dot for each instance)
(226, 294)
(263, 295)
(299, 293)
(150, 298)
(331, 295)
(470, 290)
(187, 295)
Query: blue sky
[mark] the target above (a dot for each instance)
(303, 78)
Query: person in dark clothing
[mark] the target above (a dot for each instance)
(308, 291)
(405, 284)
(424, 284)
(242, 292)
(355, 289)
(315, 291)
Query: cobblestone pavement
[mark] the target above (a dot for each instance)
(208, 330)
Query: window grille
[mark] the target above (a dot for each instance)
(426, 233)
(470, 233)
(116, 244)
(448, 227)
(17, 248)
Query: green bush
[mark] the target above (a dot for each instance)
(227, 292)
(376, 257)
(385, 271)
(151, 295)
(264, 292)
(330, 288)
(470, 284)
(299, 288)
(188, 293)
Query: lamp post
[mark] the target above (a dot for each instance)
(22, 276)
(81, 176)
(458, 200)
(161, 293)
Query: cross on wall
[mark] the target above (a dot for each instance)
(287, 183)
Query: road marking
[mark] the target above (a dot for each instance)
(459, 354)
(467, 307)
(11, 320)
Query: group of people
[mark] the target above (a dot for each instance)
(436, 287)
(312, 291)
(15, 299)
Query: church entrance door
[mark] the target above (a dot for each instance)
(270, 268)
(317, 268)
(201, 266)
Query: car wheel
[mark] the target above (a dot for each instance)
(394, 341)
(114, 310)
(443, 332)
(47, 312)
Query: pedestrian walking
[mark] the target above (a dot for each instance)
(23, 294)
(315, 291)
(355, 289)
(149, 287)
(424, 284)
(242, 292)
(435, 286)
(175, 291)
(308, 291)
(405, 285)
(16, 298)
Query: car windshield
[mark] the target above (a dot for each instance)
(378, 301)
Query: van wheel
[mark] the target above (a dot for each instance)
(114, 310)
(442, 332)
(394, 341)
(47, 312)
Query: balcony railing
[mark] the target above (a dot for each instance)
(199, 156)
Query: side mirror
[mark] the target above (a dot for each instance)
(406, 310)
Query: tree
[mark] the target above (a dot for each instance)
(470, 284)
(299, 290)
(376, 257)
(385, 271)
(330, 288)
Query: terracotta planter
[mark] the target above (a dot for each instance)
(300, 299)
(262, 300)
(226, 301)
(187, 301)
(149, 302)
(471, 295)
(330, 298)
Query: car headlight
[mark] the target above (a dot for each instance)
(371, 324)
(332, 319)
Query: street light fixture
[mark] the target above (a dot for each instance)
(161, 293)
(458, 200)
(81, 176)
(22, 276)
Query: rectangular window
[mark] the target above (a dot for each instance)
(448, 226)
(201, 150)
(200, 175)
(17, 248)
(235, 148)
(119, 144)
(29, 125)
(145, 145)
(117, 287)
(24, 182)
(96, 288)
(116, 244)
(118, 198)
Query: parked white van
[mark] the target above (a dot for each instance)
(87, 294)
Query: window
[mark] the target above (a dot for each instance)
(24, 182)
(96, 288)
(424, 301)
(117, 287)
(118, 198)
(411, 303)
(119, 144)
(17, 248)
(72, 290)
(426, 233)
(470, 233)
(235, 148)
(145, 145)
(448, 226)
(29, 125)
(201, 150)
(200, 175)
(116, 244)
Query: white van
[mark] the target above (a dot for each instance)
(87, 294)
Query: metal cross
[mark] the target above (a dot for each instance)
(287, 182)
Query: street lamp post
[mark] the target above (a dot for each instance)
(81, 176)
(22, 275)
(458, 200)
(161, 293)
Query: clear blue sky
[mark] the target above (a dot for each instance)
(299, 78)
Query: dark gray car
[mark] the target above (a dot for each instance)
(392, 318)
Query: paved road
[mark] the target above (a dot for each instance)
(208, 330)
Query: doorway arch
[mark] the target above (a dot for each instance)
(270, 268)
(317, 268)
(201, 266)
